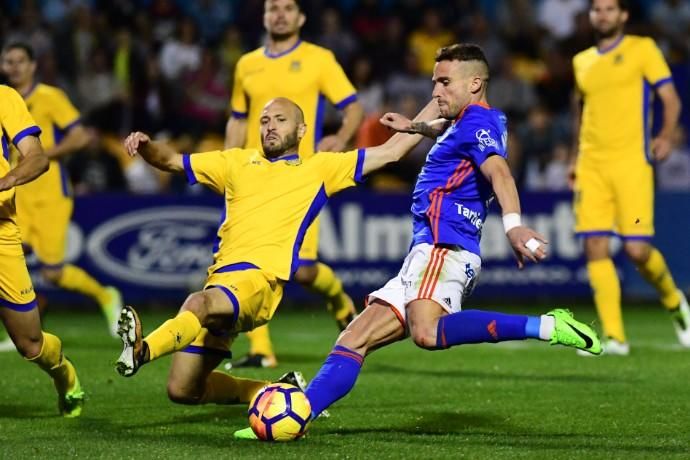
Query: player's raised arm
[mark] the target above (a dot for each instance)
(400, 144)
(525, 241)
(158, 154)
(402, 124)
(32, 164)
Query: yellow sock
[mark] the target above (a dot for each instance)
(51, 360)
(329, 285)
(260, 341)
(607, 297)
(74, 278)
(656, 272)
(173, 335)
(222, 388)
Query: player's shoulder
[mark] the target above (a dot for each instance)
(314, 51)
(44, 90)
(639, 41)
(256, 55)
(8, 91)
(480, 114)
(585, 54)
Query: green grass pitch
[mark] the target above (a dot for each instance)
(514, 400)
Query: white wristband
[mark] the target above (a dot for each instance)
(510, 221)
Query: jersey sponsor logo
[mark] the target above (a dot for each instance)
(473, 216)
(485, 139)
(159, 247)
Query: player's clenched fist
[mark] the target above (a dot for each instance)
(134, 141)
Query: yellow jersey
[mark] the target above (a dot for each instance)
(55, 115)
(15, 123)
(307, 74)
(616, 85)
(269, 204)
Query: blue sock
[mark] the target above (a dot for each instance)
(334, 380)
(474, 326)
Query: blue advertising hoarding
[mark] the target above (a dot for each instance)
(157, 248)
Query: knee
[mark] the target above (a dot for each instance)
(52, 275)
(306, 274)
(424, 337)
(181, 395)
(638, 254)
(197, 303)
(29, 346)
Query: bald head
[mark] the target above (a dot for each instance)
(285, 105)
(282, 127)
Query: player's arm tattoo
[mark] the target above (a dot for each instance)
(425, 129)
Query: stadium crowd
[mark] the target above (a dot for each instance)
(166, 67)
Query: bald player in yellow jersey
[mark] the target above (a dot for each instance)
(271, 197)
(308, 75)
(17, 298)
(44, 207)
(613, 174)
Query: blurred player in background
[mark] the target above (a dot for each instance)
(271, 197)
(307, 74)
(613, 172)
(18, 307)
(44, 207)
(463, 171)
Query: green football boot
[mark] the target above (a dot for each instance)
(572, 333)
(71, 403)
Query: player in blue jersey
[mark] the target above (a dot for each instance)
(464, 170)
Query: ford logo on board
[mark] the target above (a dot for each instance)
(159, 247)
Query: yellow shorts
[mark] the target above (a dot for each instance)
(255, 296)
(308, 253)
(44, 225)
(614, 199)
(16, 290)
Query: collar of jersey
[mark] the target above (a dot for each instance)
(612, 46)
(288, 157)
(282, 53)
(31, 90)
(462, 112)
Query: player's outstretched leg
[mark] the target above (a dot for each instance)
(475, 326)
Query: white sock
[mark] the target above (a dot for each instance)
(548, 323)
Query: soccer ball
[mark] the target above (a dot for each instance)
(279, 412)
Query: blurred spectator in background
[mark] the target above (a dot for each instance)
(93, 170)
(513, 95)
(369, 90)
(409, 81)
(428, 38)
(558, 16)
(333, 37)
(144, 52)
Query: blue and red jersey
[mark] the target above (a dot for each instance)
(451, 196)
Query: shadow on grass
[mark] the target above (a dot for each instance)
(25, 411)
(485, 431)
(502, 375)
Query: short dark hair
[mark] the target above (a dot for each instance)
(461, 52)
(624, 5)
(20, 46)
(298, 3)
